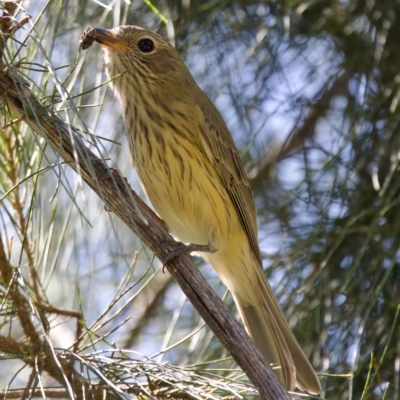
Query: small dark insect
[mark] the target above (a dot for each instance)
(87, 38)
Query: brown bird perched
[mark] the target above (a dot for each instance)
(190, 169)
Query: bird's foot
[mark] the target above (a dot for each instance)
(186, 249)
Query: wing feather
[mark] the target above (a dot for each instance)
(222, 152)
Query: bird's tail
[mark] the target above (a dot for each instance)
(268, 328)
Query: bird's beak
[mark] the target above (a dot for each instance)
(108, 39)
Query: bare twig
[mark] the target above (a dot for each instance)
(303, 129)
(8, 24)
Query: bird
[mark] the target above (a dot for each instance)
(190, 170)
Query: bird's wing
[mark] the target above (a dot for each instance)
(221, 150)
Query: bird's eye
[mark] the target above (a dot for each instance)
(146, 45)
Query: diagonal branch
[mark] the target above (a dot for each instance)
(301, 131)
(131, 209)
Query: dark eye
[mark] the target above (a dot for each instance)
(146, 45)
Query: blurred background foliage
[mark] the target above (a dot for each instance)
(310, 90)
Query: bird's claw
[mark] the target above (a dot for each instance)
(185, 249)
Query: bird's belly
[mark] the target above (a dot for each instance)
(187, 193)
(188, 218)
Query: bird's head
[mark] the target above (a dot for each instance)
(145, 70)
(138, 51)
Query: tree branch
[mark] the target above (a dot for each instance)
(131, 209)
(301, 131)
